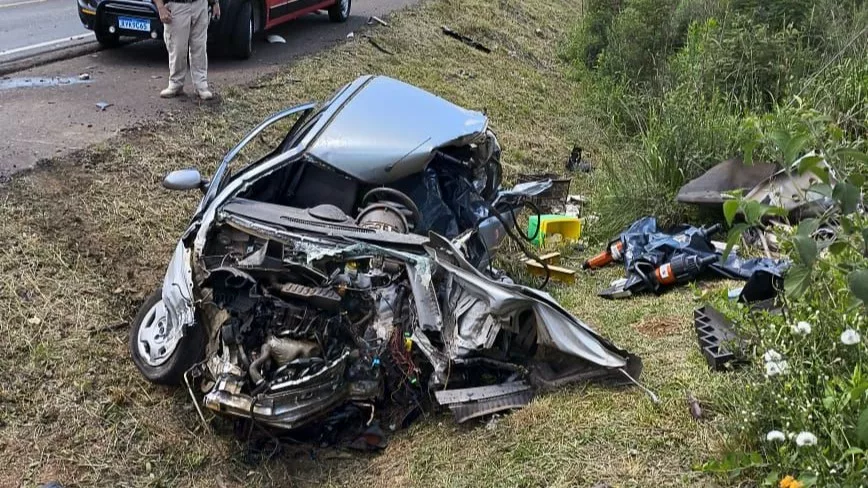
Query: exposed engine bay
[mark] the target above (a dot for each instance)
(309, 322)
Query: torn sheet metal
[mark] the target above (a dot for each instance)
(178, 295)
(555, 326)
(765, 183)
(469, 403)
(711, 187)
(792, 191)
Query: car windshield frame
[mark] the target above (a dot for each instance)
(312, 112)
(219, 178)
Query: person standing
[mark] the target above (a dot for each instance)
(185, 29)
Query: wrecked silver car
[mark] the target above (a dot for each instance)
(350, 270)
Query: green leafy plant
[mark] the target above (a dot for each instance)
(807, 415)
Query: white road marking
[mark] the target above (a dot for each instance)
(40, 45)
(25, 2)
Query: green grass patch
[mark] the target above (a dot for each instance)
(87, 237)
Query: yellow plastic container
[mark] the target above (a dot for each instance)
(568, 227)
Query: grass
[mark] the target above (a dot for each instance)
(85, 238)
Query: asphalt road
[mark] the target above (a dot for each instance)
(29, 22)
(47, 111)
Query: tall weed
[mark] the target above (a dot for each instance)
(677, 82)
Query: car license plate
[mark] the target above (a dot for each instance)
(133, 23)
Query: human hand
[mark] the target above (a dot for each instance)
(215, 11)
(165, 15)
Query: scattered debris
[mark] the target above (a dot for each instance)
(557, 273)
(576, 163)
(379, 47)
(275, 39)
(791, 191)
(34, 321)
(84, 76)
(715, 335)
(575, 205)
(351, 35)
(538, 32)
(552, 200)
(730, 175)
(656, 260)
(469, 403)
(492, 422)
(466, 40)
(694, 407)
(156, 77)
(763, 182)
(103, 105)
(378, 20)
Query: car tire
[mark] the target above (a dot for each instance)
(190, 348)
(241, 42)
(107, 39)
(340, 11)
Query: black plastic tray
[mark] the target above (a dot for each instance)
(716, 336)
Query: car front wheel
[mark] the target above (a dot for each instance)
(340, 11)
(162, 357)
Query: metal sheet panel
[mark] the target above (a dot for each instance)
(388, 129)
(462, 395)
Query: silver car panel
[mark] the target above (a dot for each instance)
(388, 129)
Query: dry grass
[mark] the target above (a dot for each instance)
(85, 238)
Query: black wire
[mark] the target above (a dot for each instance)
(509, 232)
(533, 207)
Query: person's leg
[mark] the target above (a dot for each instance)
(177, 35)
(198, 47)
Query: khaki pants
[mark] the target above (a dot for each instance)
(188, 32)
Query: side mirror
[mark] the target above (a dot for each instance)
(185, 179)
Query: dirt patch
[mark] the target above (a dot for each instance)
(659, 326)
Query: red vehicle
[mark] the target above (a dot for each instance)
(232, 33)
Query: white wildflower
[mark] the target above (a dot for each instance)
(802, 328)
(776, 435)
(775, 368)
(771, 355)
(850, 337)
(806, 439)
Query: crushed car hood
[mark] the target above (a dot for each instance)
(383, 129)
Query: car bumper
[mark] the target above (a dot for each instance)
(104, 17)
